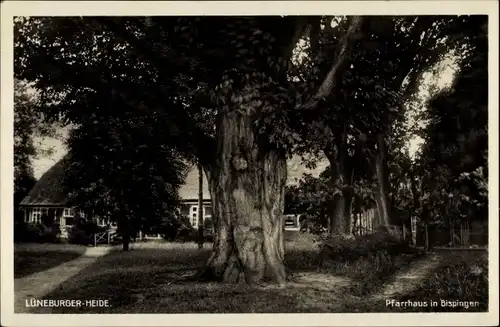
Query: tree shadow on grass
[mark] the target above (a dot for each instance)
(27, 262)
(152, 281)
(120, 276)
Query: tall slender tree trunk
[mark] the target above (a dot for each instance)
(340, 206)
(200, 206)
(348, 217)
(125, 231)
(247, 184)
(123, 224)
(383, 186)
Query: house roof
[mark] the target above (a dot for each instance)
(296, 170)
(48, 191)
(190, 189)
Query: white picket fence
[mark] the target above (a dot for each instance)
(365, 222)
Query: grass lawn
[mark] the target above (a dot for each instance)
(33, 258)
(460, 276)
(369, 274)
(144, 281)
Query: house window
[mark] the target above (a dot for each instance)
(68, 212)
(194, 215)
(194, 219)
(36, 215)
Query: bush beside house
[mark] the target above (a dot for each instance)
(36, 233)
(83, 232)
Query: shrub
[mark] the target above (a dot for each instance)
(50, 234)
(176, 228)
(24, 232)
(36, 233)
(370, 260)
(345, 247)
(83, 232)
(20, 229)
(78, 236)
(187, 235)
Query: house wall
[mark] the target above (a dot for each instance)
(190, 209)
(64, 216)
(292, 222)
(33, 215)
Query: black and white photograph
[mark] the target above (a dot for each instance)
(174, 158)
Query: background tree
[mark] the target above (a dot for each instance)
(130, 171)
(24, 149)
(309, 199)
(367, 133)
(453, 161)
(28, 125)
(367, 112)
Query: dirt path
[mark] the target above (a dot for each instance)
(408, 279)
(37, 285)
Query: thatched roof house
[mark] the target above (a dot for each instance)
(48, 197)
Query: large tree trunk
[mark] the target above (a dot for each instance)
(247, 179)
(247, 184)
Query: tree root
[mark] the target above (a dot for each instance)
(206, 274)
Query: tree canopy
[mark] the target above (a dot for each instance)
(454, 158)
(29, 124)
